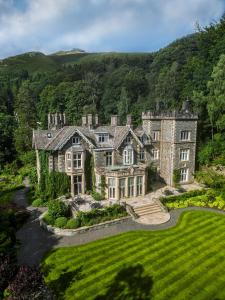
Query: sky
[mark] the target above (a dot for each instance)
(100, 25)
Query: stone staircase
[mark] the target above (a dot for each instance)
(148, 209)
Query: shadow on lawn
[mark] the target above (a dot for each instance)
(130, 283)
(64, 281)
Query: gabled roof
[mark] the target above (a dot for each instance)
(60, 137)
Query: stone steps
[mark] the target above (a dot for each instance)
(147, 209)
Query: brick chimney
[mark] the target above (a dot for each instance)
(56, 120)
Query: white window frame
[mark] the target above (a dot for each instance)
(184, 174)
(155, 154)
(128, 157)
(184, 154)
(68, 161)
(111, 188)
(156, 135)
(76, 140)
(122, 187)
(103, 137)
(77, 160)
(139, 185)
(77, 181)
(185, 135)
(130, 186)
(108, 158)
(142, 154)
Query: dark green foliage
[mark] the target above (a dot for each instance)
(57, 208)
(183, 196)
(97, 196)
(176, 178)
(52, 184)
(88, 168)
(211, 178)
(96, 216)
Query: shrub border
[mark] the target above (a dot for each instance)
(80, 230)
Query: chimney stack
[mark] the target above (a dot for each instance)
(96, 120)
(114, 120)
(56, 120)
(84, 120)
(129, 120)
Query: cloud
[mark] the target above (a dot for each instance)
(99, 25)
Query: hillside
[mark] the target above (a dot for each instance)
(33, 84)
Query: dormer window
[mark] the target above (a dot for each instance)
(144, 139)
(76, 140)
(128, 155)
(49, 135)
(103, 137)
(128, 139)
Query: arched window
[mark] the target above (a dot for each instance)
(128, 155)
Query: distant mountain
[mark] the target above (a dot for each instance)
(67, 52)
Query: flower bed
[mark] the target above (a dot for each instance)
(203, 198)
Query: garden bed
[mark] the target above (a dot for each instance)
(201, 198)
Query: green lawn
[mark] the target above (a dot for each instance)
(184, 262)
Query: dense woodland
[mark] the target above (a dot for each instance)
(33, 84)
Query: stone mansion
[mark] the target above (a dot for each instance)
(121, 154)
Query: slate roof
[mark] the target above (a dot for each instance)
(60, 137)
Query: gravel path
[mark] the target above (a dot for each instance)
(35, 241)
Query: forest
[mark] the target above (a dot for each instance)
(193, 67)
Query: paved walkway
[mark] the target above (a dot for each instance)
(35, 241)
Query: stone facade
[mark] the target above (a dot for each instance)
(121, 155)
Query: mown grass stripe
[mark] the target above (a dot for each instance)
(88, 285)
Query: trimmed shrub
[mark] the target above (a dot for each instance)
(60, 222)
(49, 219)
(37, 203)
(72, 223)
(57, 208)
(97, 196)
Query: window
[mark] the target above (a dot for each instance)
(128, 156)
(77, 180)
(144, 139)
(155, 154)
(184, 175)
(122, 187)
(139, 185)
(68, 161)
(184, 154)
(109, 158)
(128, 139)
(77, 161)
(156, 135)
(103, 137)
(76, 140)
(112, 188)
(130, 186)
(142, 154)
(185, 135)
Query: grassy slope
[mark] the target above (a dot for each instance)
(185, 262)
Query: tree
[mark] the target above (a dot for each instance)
(216, 97)
(25, 110)
(123, 106)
